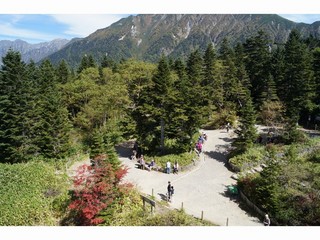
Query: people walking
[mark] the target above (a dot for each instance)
(168, 167)
(169, 191)
(175, 167)
(228, 127)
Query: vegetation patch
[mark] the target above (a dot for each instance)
(31, 194)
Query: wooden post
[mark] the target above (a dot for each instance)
(201, 215)
(227, 222)
(181, 205)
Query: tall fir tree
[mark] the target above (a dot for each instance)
(298, 82)
(63, 72)
(15, 100)
(197, 109)
(246, 132)
(277, 71)
(159, 98)
(316, 69)
(257, 50)
(54, 126)
(209, 81)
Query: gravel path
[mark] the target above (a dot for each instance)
(202, 189)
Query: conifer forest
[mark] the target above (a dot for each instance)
(55, 115)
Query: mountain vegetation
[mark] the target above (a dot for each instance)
(52, 112)
(147, 36)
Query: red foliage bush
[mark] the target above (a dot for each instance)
(96, 187)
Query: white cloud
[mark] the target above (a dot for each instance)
(81, 25)
(305, 18)
(7, 29)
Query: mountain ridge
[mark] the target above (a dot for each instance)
(147, 36)
(36, 52)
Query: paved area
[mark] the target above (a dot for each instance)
(202, 189)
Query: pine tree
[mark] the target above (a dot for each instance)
(86, 62)
(243, 81)
(15, 98)
(246, 132)
(54, 126)
(62, 72)
(257, 51)
(179, 117)
(209, 81)
(197, 109)
(158, 100)
(316, 69)
(277, 71)
(298, 81)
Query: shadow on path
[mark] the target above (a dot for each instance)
(125, 149)
(163, 196)
(227, 139)
(220, 157)
(236, 198)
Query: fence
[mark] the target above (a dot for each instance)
(255, 208)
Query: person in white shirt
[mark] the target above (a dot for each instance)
(168, 167)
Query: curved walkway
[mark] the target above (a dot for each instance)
(200, 189)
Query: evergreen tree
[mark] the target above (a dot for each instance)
(277, 71)
(209, 60)
(53, 127)
(316, 69)
(14, 106)
(298, 81)
(179, 117)
(243, 81)
(246, 132)
(107, 62)
(62, 72)
(101, 144)
(257, 51)
(157, 101)
(225, 51)
(209, 73)
(86, 62)
(197, 109)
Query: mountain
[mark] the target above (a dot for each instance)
(146, 37)
(29, 51)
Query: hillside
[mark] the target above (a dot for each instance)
(146, 37)
(31, 51)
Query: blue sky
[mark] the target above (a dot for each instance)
(35, 28)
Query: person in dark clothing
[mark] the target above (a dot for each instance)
(169, 192)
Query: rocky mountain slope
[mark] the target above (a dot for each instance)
(146, 36)
(31, 51)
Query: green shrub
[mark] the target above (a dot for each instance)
(31, 194)
(183, 159)
(251, 158)
(175, 218)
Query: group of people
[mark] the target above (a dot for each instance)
(175, 167)
(148, 166)
(202, 138)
